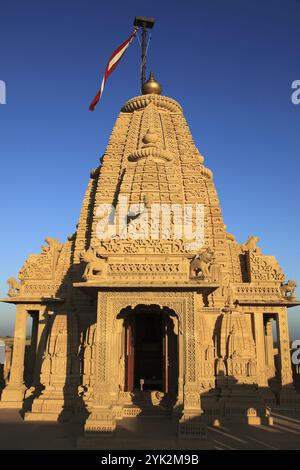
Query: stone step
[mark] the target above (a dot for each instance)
(145, 411)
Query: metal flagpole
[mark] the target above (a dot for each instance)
(144, 23)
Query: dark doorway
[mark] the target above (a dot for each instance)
(151, 350)
(148, 363)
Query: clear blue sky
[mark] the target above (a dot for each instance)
(230, 63)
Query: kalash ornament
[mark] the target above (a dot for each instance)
(151, 86)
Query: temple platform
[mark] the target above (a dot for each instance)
(138, 433)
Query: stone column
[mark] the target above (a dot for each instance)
(33, 347)
(288, 395)
(101, 421)
(13, 394)
(41, 342)
(8, 358)
(284, 348)
(191, 424)
(269, 348)
(260, 348)
(265, 396)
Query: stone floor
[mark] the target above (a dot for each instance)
(149, 433)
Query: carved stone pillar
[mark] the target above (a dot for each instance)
(191, 424)
(284, 348)
(288, 395)
(269, 347)
(41, 341)
(33, 349)
(13, 394)
(260, 348)
(8, 359)
(102, 420)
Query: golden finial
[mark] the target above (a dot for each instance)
(151, 86)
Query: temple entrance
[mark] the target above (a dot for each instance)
(151, 350)
(148, 358)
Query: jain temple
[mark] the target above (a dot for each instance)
(135, 316)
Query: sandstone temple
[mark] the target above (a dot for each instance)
(131, 316)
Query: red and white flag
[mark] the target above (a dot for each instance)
(111, 65)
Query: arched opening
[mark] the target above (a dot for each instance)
(148, 358)
(151, 349)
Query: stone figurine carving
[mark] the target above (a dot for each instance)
(14, 286)
(231, 299)
(251, 244)
(43, 265)
(95, 264)
(54, 247)
(288, 289)
(200, 264)
(53, 244)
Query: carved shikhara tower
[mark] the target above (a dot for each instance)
(123, 327)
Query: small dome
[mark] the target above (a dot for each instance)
(151, 86)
